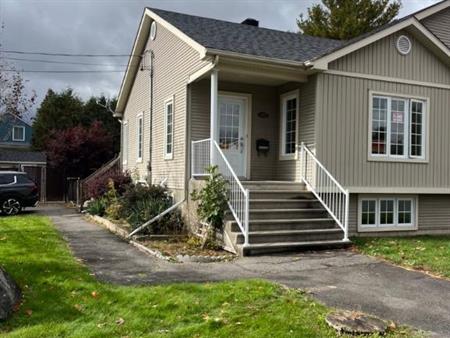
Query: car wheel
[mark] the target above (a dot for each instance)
(11, 206)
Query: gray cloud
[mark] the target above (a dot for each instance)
(109, 27)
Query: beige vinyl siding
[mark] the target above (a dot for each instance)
(138, 103)
(382, 58)
(289, 170)
(433, 217)
(173, 63)
(342, 135)
(264, 99)
(439, 25)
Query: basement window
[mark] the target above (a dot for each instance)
(387, 213)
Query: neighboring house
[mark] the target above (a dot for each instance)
(375, 111)
(15, 154)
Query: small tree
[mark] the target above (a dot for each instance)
(78, 151)
(58, 111)
(346, 19)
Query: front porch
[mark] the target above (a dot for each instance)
(251, 126)
(260, 136)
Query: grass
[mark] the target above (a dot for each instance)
(61, 299)
(429, 253)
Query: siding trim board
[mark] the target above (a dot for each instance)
(387, 79)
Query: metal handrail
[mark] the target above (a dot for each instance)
(330, 193)
(206, 152)
(239, 198)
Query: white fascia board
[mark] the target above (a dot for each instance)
(141, 40)
(242, 56)
(125, 86)
(432, 10)
(178, 33)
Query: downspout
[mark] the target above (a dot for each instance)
(149, 168)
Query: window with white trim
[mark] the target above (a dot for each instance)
(168, 128)
(18, 133)
(125, 143)
(140, 137)
(387, 213)
(289, 116)
(397, 128)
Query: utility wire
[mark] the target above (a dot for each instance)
(63, 62)
(62, 71)
(66, 54)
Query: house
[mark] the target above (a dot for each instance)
(319, 139)
(15, 154)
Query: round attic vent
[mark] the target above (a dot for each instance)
(153, 30)
(403, 45)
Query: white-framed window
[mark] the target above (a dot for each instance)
(140, 137)
(125, 142)
(18, 133)
(289, 120)
(397, 128)
(168, 129)
(385, 213)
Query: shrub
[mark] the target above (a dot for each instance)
(114, 207)
(140, 203)
(97, 206)
(99, 185)
(212, 199)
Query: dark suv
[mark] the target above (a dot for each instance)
(17, 191)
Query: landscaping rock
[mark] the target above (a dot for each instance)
(9, 294)
(355, 323)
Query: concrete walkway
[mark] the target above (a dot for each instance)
(338, 278)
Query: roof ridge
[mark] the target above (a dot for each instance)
(243, 25)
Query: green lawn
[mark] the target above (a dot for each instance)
(429, 253)
(61, 299)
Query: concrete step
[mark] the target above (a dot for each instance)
(262, 214)
(265, 248)
(271, 203)
(285, 224)
(273, 185)
(280, 194)
(281, 236)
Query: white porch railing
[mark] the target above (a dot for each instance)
(325, 187)
(238, 196)
(201, 151)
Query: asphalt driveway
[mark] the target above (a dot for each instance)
(338, 278)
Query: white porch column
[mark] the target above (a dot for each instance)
(214, 108)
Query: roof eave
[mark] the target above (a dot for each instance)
(138, 47)
(424, 13)
(224, 53)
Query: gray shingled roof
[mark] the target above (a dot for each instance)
(22, 156)
(251, 40)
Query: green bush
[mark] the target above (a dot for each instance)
(141, 203)
(212, 199)
(97, 206)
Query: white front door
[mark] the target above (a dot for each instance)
(232, 132)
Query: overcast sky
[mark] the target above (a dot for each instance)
(109, 27)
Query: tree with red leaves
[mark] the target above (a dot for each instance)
(79, 151)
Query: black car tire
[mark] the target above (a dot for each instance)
(10, 206)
